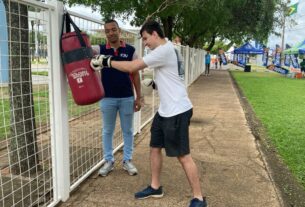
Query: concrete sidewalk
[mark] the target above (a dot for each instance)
(231, 168)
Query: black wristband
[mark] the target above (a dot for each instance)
(105, 60)
(153, 85)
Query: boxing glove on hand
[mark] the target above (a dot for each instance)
(147, 86)
(98, 62)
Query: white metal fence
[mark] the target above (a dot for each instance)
(48, 144)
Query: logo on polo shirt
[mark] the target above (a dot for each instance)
(124, 55)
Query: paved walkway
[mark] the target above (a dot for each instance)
(231, 168)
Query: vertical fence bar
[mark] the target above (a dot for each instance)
(195, 64)
(137, 115)
(202, 54)
(203, 62)
(60, 128)
(187, 65)
(153, 111)
(198, 63)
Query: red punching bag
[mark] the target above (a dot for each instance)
(76, 53)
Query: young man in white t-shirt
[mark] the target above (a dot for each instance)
(170, 126)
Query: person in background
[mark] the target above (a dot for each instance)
(170, 126)
(119, 98)
(302, 65)
(219, 58)
(207, 63)
(177, 40)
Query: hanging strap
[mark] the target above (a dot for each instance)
(67, 21)
(83, 52)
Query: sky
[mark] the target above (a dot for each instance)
(88, 12)
(293, 34)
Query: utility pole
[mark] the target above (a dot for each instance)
(283, 32)
(285, 9)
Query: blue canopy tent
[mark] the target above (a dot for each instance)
(247, 48)
(244, 51)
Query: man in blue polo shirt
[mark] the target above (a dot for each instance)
(119, 97)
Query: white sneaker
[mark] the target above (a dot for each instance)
(129, 167)
(106, 169)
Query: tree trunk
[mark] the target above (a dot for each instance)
(168, 24)
(212, 43)
(192, 40)
(23, 145)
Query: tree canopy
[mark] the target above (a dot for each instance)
(197, 22)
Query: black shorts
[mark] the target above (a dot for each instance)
(171, 133)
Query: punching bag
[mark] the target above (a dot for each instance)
(76, 53)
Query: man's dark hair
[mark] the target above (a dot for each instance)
(151, 26)
(112, 21)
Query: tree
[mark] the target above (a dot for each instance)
(162, 10)
(23, 146)
(197, 22)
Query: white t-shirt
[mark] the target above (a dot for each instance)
(173, 96)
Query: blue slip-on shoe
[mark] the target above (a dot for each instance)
(195, 202)
(149, 192)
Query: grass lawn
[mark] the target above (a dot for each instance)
(42, 61)
(41, 73)
(279, 103)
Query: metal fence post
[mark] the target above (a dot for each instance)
(59, 113)
(202, 63)
(137, 115)
(198, 63)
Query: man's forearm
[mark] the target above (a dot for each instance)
(128, 66)
(98, 62)
(137, 84)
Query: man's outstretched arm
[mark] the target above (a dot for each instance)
(101, 61)
(128, 66)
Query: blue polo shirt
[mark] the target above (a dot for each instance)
(117, 84)
(207, 59)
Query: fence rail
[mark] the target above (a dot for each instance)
(48, 144)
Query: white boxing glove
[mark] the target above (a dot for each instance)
(148, 85)
(98, 62)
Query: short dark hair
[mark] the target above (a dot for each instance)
(151, 26)
(112, 21)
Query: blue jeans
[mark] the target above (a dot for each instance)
(109, 108)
